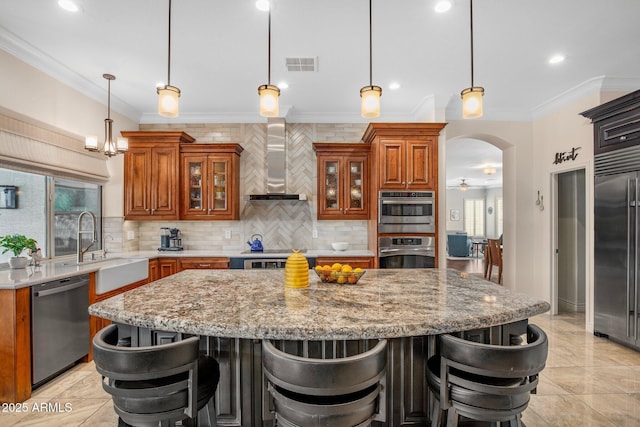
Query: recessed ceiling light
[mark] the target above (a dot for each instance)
(443, 6)
(262, 5)
(283, 85)
(394, 85)
(556, 59)
(68, 5)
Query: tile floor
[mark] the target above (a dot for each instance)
(588, 381)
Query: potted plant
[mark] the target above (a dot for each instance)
(17, 243)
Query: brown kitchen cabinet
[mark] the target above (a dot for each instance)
(362, 262)
(343, 180)
(214, 263)
(210, 176)
(167, 267)
(406, 154)
(151, 168)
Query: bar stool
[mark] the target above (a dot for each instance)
(339, 392)
(485, 382)
(157, 385)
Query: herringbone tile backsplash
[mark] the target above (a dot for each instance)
(282, 224)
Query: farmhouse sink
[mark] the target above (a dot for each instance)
(119, 272)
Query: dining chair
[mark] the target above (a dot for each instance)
(157, 385)
(484, 382)
(495, 258)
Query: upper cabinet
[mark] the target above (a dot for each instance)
(151, 175)
(343, 180)
(210, 176)
(406, 154)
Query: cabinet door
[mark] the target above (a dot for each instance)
(220, 206)
(194, 187)
(168, 266)
(355, 193)
(329, 188)
(391, 167)
(154, 270)
(164, 183)
(419, 170)
(137, 183)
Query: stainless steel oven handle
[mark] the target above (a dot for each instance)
(406, 202)
(416, 251)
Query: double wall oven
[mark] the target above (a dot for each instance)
(404, 219)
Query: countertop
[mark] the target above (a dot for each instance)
(56, 270)
(256, 304)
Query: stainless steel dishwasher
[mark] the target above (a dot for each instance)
(59, 325)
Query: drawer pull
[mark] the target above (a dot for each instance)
(204, 265)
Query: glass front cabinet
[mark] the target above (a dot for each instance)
(210, 177)
(343, 172)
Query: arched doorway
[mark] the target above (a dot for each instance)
(474, 199)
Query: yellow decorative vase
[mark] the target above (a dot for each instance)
(296, 271)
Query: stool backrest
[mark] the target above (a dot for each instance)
(485, 362)
(324, 377)
(144, 376)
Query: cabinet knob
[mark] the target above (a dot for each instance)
(403, 183)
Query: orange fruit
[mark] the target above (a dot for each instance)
(352, 279)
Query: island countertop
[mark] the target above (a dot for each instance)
(255, 304)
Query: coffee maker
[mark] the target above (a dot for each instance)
(170, 239)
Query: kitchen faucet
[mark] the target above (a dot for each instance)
(80, 252)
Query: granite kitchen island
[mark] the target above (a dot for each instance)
(234, 310)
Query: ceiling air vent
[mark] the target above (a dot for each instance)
(302, 64)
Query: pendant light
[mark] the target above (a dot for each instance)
(109, 148)
(370, 95)
(269, 93)
(472, 96)
(463, 185)
(168, 95)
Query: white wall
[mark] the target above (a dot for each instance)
(28, 92)
(515, 139)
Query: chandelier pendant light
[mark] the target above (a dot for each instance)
(109, 148)
(168, 95)
(269, 94)
(472, 96)
(370, 95)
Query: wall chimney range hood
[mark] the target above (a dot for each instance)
(276, 164)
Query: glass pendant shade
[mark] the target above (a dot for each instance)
(472, 102)
(269, 97)
(168, 101)
(370, 101)
(91, 143)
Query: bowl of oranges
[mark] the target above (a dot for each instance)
(339, 273)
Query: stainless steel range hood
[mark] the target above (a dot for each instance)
(276, 186)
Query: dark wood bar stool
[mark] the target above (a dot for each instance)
(157, 385)
(484, 382)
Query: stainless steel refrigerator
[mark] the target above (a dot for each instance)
(616, 257)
